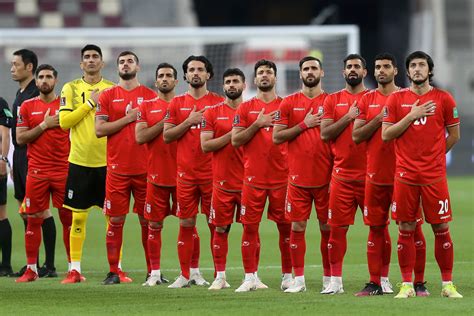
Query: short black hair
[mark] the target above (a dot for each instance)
(28, 57)
(387, 56)
(202, 59)
(166, 65)
(91, 47)
(355, 56)
(233, 72)
(128, 52)
(264, 62)
(308, 58)
(46, 67)
(421, 55)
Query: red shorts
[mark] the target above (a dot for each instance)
(434, 201)
(344, 197)
(253, 204)
(157, 203)
(377, 204)
(189, 196)
(38, 192)
(300, 203)
(118, 189)
(225, 206)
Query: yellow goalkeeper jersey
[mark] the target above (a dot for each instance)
(75, 114)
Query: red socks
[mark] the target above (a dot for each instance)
(386, 253)
(250, 247)
(323, 247)
(337, 249)
(113, 242)
(420, 249)
(284, 230)
(298, 251)
(154, 247)
(444, 254)
(375, 248)
(220, 249)
(186, 243)
(65, 216)
(196, 249)
(406, 254)
(33, 239)
(144, 229)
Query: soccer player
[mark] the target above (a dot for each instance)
(85, 187)
(348, 176)
(48, 148)
(265, 175)
(115, 118)
(194, 169)
(424, 122)
(227, 168)
(23, 67)
(5, 227)
(310, 164)
(161, 182)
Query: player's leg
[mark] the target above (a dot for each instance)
(5, 231)
(420, 262)
(437, 208)
(276, 213)
(139, 190)
(321, 203)
(253, 204)
(405, 205)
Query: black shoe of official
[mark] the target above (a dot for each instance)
(111, 278)
(19, 273)
(164, 279)
(370, 289)
(6, 271)
(45, 272)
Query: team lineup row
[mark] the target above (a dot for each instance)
(378, 150)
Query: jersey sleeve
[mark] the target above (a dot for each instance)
(207, 123)
(172, 112)
(6, 116)
(328, 108)
(23, 117)
(142, 112)
(450, 111)
(283, 114)
(66, 103)
(240, 118)
(103, 105)
(362, 106)
(390, 112)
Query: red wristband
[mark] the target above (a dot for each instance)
(303, 126)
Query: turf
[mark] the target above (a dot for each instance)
(48, 296)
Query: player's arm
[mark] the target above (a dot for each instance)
(173, 132)
(363, 131)
(105, 128)
(392, 131)
(241, 135)
(68, 116)
(210, 144)
(331, 130)
(5, 132)
(281, 133)
(145, 134)
(454, 135)
(25, 135)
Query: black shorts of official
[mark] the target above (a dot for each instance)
(20, 169)
(3, 190)
(85, 187)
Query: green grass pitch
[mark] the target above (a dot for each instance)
(48, 296)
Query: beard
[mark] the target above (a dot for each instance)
(196, 82)
(45, 89)
(311, 84)
(419, 81)
(265, 87)
(233, 95)
(127, 75)
(353, 81)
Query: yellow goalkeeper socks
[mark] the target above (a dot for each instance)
(78, 234)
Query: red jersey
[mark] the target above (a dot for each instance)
(380, 154)
(161, 156)
(265, 164)
(124, 155)
(47, 154)
(420, 150)
(309, 157)
(349, 158)
(193, 165)
(227, 162)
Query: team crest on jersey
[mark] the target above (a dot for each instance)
(139, 100)
(277, 116)
(62, 101)
(236, 119)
